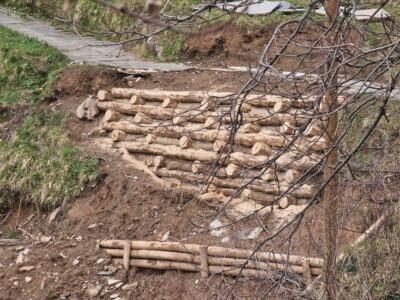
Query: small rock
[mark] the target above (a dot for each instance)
(111, 271)
(1, 266)
(45, 239)
(26, 268)
(114, 296)
(20, 259)
(119, 284)
(100, 260)
(92, 226)
(53, 215)
(43, 283)
(1, 274)
(20, 248)
(15, 283)
(225, 239)
(28, 279)
(196, 282)
(75, 262)
(78, 238)
(131, 286)
(94, 291)
(111, 281)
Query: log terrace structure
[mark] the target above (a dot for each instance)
(183, 137)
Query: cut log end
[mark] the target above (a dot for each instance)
(142, 119)
(111, 116)
(260, 148)
(185, 142)
(151, 138)
(232, 170)
(118, 135)
(251, 128)
(103, 95)
(136, 100)
(168, 103)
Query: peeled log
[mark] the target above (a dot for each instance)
(249, 194)
(287, 128)
(185, 142)
(143, 119)
(168, 103)
(111, 116)
(171, 151)
(171, 164)
(154, 139)
(312, 130)
(118, 135)
(103, 95)
(135, 100)
(281, 106)
(304, 191)
(260, 148)
(251, 128)
(232, 170)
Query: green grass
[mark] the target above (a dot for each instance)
(26, 67)
(38, 165)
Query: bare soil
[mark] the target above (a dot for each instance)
(126, 204)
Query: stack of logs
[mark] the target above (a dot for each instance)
(209, 260)
(180, 135)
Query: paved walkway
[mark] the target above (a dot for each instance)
(81, 49)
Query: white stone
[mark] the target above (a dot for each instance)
(114, 296)
(111, 281)
(28, 279)
(75, 262)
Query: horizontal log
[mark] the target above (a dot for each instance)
(212, 261)
(304, 191)
(197, 133)
(199, 96)
(214, 251)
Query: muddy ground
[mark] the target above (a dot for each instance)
(126, 204)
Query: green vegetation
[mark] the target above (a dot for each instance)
(26, 67)
(371, 270)
(37, 163)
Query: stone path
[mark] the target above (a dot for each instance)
(81, 49)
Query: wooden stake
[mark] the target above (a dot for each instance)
(204, 261)
(307, 271)
(127, 254)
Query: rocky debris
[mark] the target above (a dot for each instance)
(114, 296)
(112, 281)
(110, 270)
(76, 261)
(26, 268)
(94, 290)
(131, 286)
(43, 283)
(28, 279)
(53, 215)
(45, 239)
(88, 109)
(99, 261)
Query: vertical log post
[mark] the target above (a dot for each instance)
(329, 196)
(307, 271)
(204, 261)
(127, 254)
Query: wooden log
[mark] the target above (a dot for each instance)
(307, 273)
(291, 176)
(259, 148)
(312, 130)
(171, 151)
(171, 164)
(219, 146)
(214, 251)
(103, 95)
(127, 255)
(232, 170)
(284, 202)
(204, 261)
(185, 142)
(168, 103)
(155, 139)
(211, 261)
(211, 123)
(287, 128)
(281, 106)
(257, 196)
(303, 191)
(127, 127)
(143, 119)
(269, 174)
(259, 100)
(135, 100)
(111, 116)
(118, 135)
(251, 128)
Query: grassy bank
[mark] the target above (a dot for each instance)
(38, 165)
